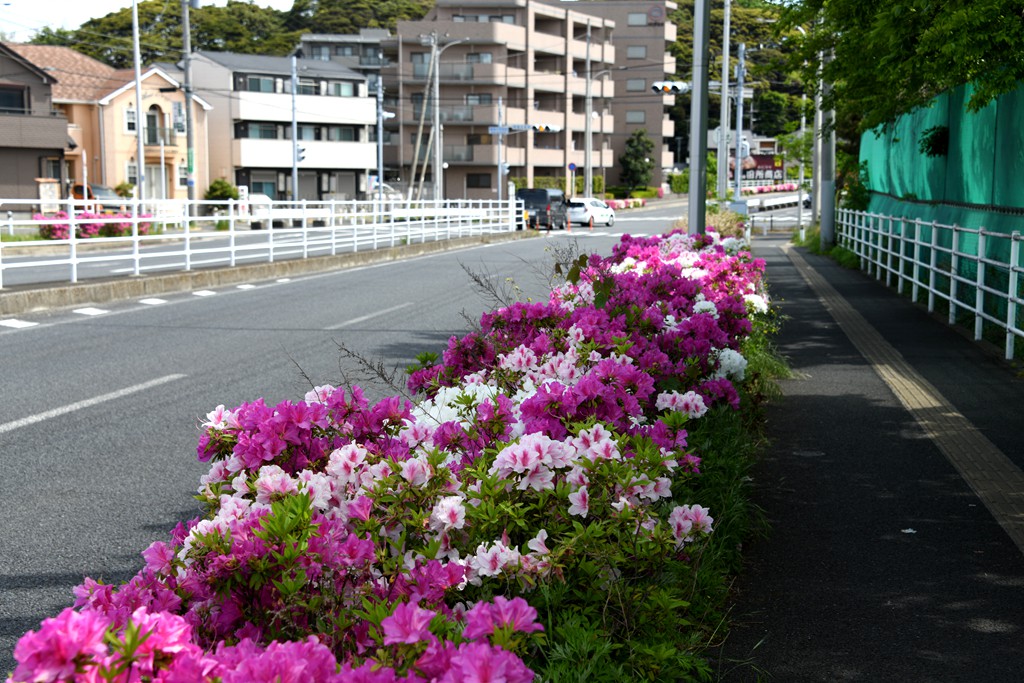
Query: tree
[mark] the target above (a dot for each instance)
(636, 160)
(237, 27)
(887, 58)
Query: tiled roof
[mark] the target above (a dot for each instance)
(79, 78)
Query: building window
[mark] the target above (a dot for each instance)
(637, 19)
(479, 58)
(478, 98)
(321, 52)
(478, 180)
(51, 168)
(636, 84)
(307, 87)
(345, 51)
(131, 173)
(130, 120)
(420, 57)
(13, 100)
(179, 117)
(259, 84)
(342, 134)
(183, 174)
(479, 139)
(263, 131)
(339, 89)
(636, 116)
(636, 52)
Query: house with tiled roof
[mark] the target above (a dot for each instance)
(33, 132)
(104, 125)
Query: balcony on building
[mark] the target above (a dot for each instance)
(27, 128)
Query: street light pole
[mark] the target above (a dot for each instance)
(295, 130)
(699, 120)
(588, 145)
(140, 120)
(190, 136)
(435, 58)
(740, 68)
(723, 118)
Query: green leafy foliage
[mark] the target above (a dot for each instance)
(888, 58)
(221, 189)
(636, 162)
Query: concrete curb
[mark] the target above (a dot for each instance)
(18, 300)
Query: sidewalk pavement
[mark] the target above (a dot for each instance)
(893, 487)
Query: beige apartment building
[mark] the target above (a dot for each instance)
(520, 65)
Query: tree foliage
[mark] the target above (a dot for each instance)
(237, 27)
(888, 57)
(636, 161)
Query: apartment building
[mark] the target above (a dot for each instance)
(251, 124)
(642, 37)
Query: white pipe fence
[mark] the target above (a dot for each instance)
(973, 272)
(173, 235)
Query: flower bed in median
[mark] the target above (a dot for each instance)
(532, 512)
(89, 225)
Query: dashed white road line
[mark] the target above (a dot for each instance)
(204, 292)
(90, 311)
(364, 318)
(152, 302)
(17, 324)
(87, 403)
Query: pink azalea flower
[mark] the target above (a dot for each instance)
(580, 502)
(448, 513)
(54, 652)
(407, 624)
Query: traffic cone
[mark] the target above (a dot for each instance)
(591, 223)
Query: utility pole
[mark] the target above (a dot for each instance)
(740, 69)
(380, 141)
(295, 130)
(588, 145)
(699, 120)
(190, 136)
(723, 118)
(140, 119)
(501, 165)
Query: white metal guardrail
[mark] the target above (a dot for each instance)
(975, 272)
(175, 236)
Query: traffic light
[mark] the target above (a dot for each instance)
(300, 153)
(540, 128)
(504, 169)
(670, 87)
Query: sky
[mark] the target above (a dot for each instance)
(20, 19)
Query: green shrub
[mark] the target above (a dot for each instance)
(220, 189)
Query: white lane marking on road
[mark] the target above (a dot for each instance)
(17, 324)
(87, 403)
(203, 292)
(364, 318)
(283, 279)
(246, 287)
(90, 311)
(153, 301)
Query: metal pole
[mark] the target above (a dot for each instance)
(190, 135)
(380, 142)
(435, 56)
(140, 164)
(800, 182)
(501, 166)
(295, 130)
(699, 119)
(723, 118)
(588, 145)
(739, 120)
(828, 175)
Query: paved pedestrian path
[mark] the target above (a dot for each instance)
(894, 490)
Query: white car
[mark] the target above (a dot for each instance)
(590, 211)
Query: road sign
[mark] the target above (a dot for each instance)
(498, 130)
(572, 167)
(520, 126)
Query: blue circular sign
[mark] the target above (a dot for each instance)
(572, 167)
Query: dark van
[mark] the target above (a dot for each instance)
(546, 208)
